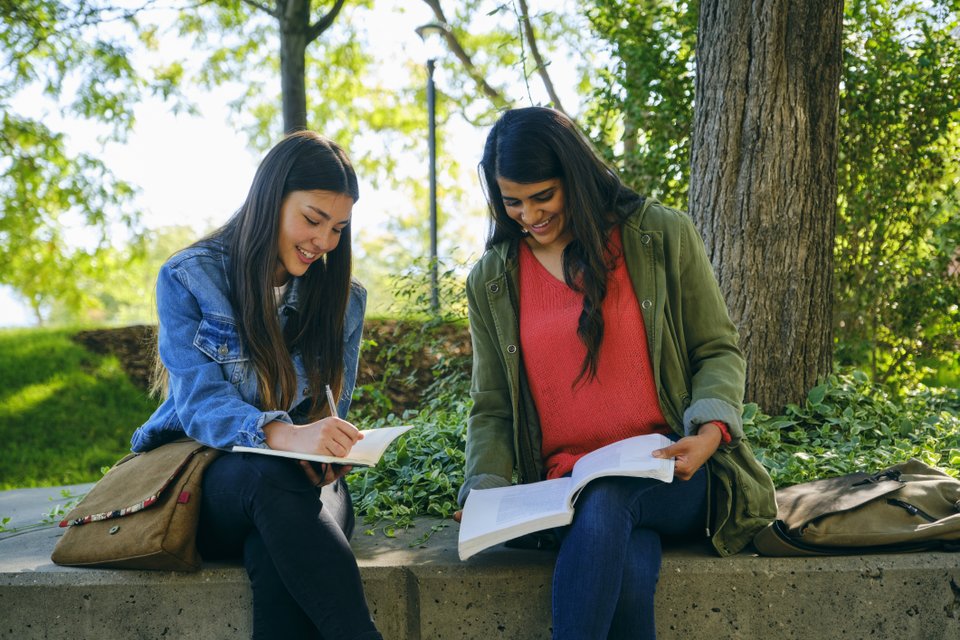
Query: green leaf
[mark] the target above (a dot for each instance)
(817, 394)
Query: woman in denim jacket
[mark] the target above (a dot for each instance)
(595, 316)
(255, 321)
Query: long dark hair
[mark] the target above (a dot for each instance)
(535, 144)
(302, 161)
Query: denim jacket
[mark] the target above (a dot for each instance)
(213, 391)
(698, 369)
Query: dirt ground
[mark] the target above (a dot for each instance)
(135, 346)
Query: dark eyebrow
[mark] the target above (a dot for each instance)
(540, 193)
(326, 216)
(532, 195)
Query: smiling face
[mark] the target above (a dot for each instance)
(311, 223)
(539, 208)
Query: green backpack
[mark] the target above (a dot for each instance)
(906, 507)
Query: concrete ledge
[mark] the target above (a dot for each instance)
(425, 592)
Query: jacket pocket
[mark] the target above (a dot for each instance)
(219, 339)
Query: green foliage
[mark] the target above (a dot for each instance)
(366, 103)
(42, 189)
(47, 193)
(127, 296)
(54, 44)
(896, 308)
(641, 108)
(346, 99)
(64, 413)
(898, 227)
(422, 473)
(421, 332)
(850, 424)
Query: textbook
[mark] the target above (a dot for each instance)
(365, 453)
(492, 516)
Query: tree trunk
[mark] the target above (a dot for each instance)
(631, 126)
(763, 182)
(294, 27)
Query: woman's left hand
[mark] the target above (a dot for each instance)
(334, 473)
(692, 451)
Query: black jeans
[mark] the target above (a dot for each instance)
(294, 545)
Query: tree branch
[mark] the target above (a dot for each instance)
(324, 23)
(455, 47)
(537, 58)
(259, 6)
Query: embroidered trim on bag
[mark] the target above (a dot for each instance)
(139, 506)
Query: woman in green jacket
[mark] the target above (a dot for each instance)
(595, 316)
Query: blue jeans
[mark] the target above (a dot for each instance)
(294, 545)
(609, 559)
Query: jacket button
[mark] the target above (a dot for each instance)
(646, 304)
(512, 348)
(494, 288)
(223, 350)
(645, 239)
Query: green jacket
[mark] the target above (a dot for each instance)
(697, 365)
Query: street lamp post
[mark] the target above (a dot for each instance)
(427, 32)
(432, 145)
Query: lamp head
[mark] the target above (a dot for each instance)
(432, 34)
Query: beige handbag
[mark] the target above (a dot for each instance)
(142, 514)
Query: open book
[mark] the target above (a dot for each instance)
(492, 516)
(365, 453)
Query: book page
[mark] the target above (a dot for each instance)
(492, 516)
(629, 457)
(365, 453)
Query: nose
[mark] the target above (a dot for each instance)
(528, 212)
(325, 241)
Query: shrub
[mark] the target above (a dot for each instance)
(848, 424)
(422, 472)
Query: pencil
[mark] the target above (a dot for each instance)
(331, 403)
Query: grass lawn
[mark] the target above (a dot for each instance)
(65, 413)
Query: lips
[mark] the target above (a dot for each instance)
(306, 256)
(541, 226)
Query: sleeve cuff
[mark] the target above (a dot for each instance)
(710, 410)
(481, 481)
(252, 435)
(724, 431)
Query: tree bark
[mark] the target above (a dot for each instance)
(294, 23)
(763, 181)
(296, 33)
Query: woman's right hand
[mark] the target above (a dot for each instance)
(329, 436)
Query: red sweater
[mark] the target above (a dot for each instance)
(621, 401)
